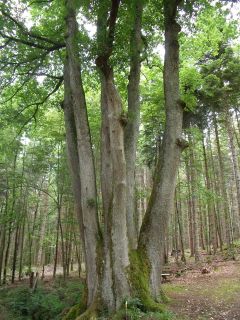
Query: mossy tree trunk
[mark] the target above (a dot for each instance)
(161, 204)
(138, 272)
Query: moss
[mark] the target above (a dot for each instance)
(174, 288)
(93, 311)
(139, 278)
(92, 203)
(73, 313)
(78, 309)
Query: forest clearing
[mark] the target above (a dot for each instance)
(119, 159)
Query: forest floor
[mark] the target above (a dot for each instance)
(214, 295)
(208, 290)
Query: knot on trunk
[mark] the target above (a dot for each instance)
(123, 119)
(182, 143)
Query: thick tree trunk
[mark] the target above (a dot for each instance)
(115, 285)
(161, 205)
(117, 207)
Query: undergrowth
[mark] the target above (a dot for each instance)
(53, 301)
(46, 303)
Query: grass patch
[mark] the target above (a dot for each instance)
(227, 290)
(174, 288)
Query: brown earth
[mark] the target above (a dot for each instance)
(214, 295)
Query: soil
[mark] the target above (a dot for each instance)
(207, 291)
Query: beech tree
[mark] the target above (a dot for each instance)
(123, 260)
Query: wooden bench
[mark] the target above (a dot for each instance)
(165, 276)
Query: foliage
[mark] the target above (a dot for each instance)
(47, 303)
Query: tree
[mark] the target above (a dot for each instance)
(120, 263)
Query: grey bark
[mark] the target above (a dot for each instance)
(161, 205)
(194, 200)
(86, 171)
(210, 203)
(115, 286)
(236, 172)
(132, 128)
(223, 185)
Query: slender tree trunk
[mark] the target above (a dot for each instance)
(22, 246)
(210, 203)
(223, 185)
(234, 157)
(195, 214)
(132, 127)
(3, 236)
(15, 250)
(56, 246)
(44, 214)
(189, 204)
(180, 224)
(74, 94)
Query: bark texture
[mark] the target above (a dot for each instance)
(132, 128)
(115, 286)
(79, 138)
(161, 205)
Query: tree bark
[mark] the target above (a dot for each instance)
(115, 285)
(236, 172)
(74, 94)
(133, 119)
(195, 214)
(210, 203)
(161, 204)
(223, 185)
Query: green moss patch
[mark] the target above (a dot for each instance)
(139, 278)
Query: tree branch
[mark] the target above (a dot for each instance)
(29, 33)
(32, 44)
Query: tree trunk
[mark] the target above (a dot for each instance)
(223, 185)
(189, 204)
(132, 127)
(195, 214)
(210, 203)
(74, 94)
(161, 204)
(236, 172)
(180, 224)
(115, 285)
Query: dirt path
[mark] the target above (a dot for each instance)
(213, 296)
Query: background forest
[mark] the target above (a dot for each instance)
(40, 230)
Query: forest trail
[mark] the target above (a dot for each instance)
(211, 296)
